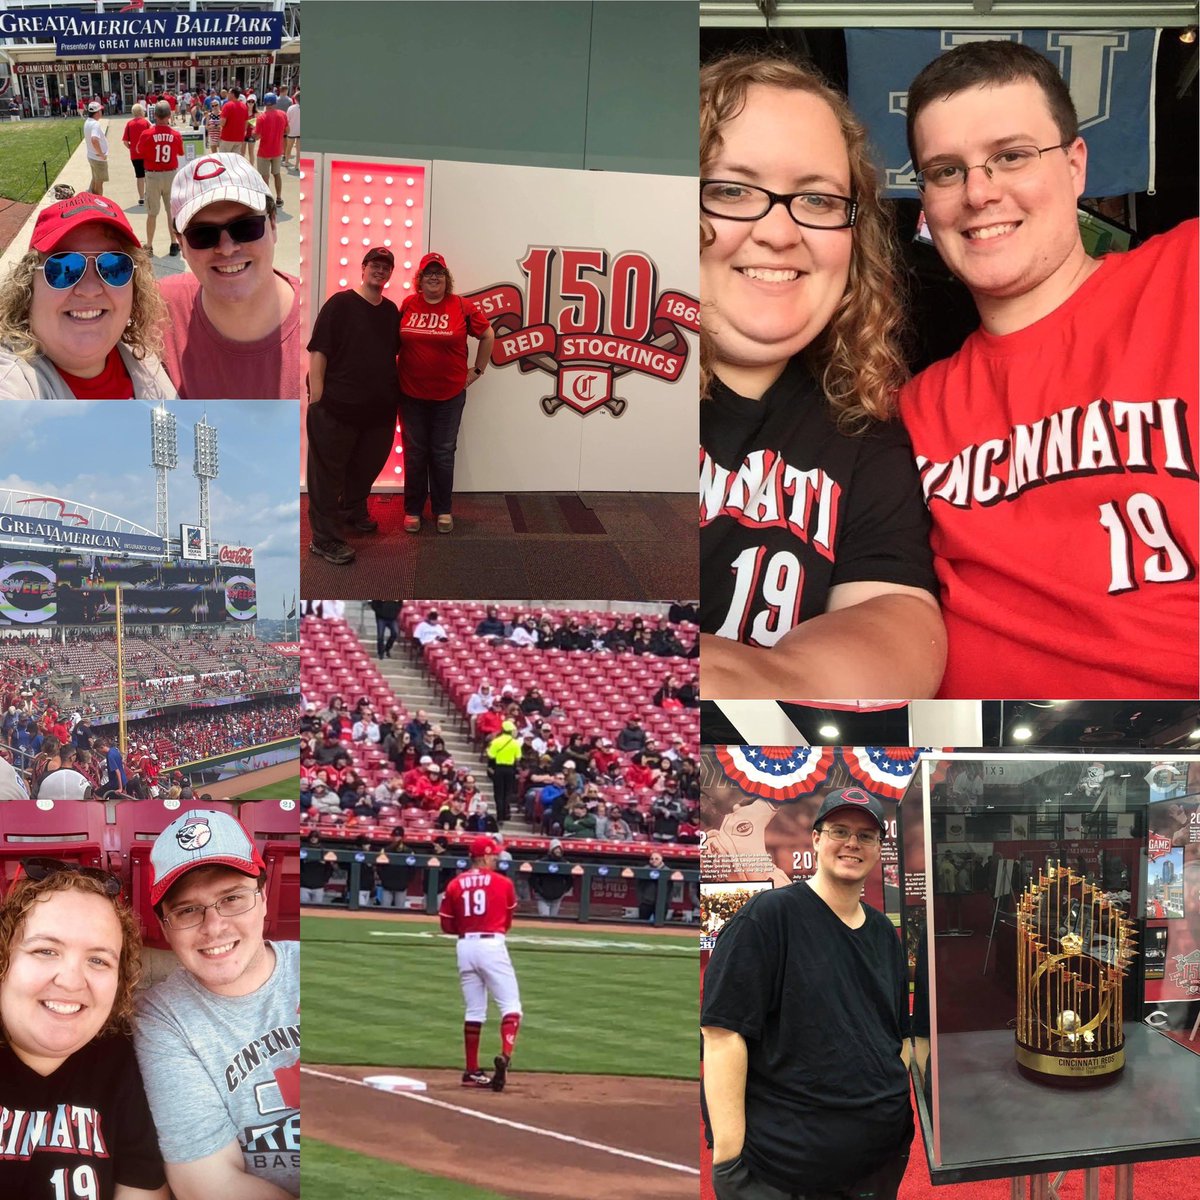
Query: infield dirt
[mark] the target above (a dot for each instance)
(655, 1118)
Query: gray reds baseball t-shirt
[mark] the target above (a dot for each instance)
(223, 1067)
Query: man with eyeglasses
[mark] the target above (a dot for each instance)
(1057, 447)
(219, 1041)
(234, 321)
(805, 1023)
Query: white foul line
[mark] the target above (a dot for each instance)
(470, 1112)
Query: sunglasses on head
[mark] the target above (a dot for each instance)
(38, 869)
(66, 269)
(244, 229)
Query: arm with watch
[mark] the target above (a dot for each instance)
(482, 355)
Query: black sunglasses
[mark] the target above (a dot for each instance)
(244, 229)
(42, 868)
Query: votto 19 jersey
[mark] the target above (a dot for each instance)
(790, 507)
(478, 901)
(1059, 464)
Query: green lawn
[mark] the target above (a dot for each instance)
(23, 147)
(327, 1173)
(597, 1001)
(275, 791)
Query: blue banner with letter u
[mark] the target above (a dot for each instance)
(1110, 74)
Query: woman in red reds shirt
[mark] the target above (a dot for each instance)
(80, 312)
(434, 325)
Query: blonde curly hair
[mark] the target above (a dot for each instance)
(143, 334)
(26, 892)
(858, 356)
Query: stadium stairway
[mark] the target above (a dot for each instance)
(406, 677)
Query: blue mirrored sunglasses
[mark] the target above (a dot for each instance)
(65, 270)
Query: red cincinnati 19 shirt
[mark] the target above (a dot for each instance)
(478, 901)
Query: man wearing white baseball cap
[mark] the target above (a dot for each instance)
(234, 330)
(219, 1041)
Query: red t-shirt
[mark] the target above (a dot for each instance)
(236, 115)
(433, 345)
(270, 127)
(478, 901)
(171, 100)
(113, 383)
(151, 99)
(133, 132)
(162, 148)
(1059, 466)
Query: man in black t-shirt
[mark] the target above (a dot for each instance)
(353, 394)
(805, 1022)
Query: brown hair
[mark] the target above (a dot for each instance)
(142, 335)
(26, 892)
(980, 64)
(416, 281)
(857, 357)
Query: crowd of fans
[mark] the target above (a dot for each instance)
(594, 633)
(583, 787)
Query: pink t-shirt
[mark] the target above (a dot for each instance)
(204, 365)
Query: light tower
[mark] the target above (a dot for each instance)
(205, 468)
(164, 457)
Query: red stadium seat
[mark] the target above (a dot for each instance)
(72, 831)
(282, 890)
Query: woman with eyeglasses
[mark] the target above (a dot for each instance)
(69, 965)
(80, 313)
(816, 576)
(434, 377)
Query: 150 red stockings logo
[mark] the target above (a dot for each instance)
(587, 318)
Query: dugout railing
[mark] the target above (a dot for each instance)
(352, 882)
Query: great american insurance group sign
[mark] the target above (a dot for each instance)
(84, 31)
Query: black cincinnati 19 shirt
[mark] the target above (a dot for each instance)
(790, 507)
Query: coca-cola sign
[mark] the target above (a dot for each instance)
(241, 556)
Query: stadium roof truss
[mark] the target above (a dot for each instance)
(71, 513)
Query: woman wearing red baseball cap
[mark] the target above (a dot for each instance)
(80, 312)
(434, 325)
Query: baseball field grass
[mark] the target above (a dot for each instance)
(24, 145)
(598, 1000)
(329, 1171)
(271, 791)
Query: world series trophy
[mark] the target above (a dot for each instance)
(1073, 949)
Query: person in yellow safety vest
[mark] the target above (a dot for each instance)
(503, 751)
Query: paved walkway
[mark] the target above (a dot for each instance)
(122, 187)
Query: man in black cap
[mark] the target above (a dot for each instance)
(805, 1022)
(353, 393)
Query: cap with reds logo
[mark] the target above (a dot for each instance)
(482, 846)
(55, 221)
(201, 837)
(430, 259)
(852, 798)
(214, 178)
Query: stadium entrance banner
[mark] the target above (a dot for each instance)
(85, 31)
(56, 533)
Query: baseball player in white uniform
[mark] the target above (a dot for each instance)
(478, 908)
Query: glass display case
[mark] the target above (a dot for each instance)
(1050, 903)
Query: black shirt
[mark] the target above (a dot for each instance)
(94, 1120)
(360, 341)
(823, 1009)
(789, 507)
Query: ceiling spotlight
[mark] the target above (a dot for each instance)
(1194, 735)
(828, 731)
(1022, 733)
(1188, 36)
